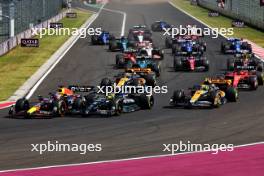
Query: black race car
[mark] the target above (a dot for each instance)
(115, 104)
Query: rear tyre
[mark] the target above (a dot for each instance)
(120, 61)
(231, 94)
(253, 82)
(106, 82)
(146, 102)
(260, 77)
(177, 64)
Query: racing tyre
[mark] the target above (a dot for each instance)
(146, 102)
(174, 48)
(168, 42)
(260, 67)
(150, 80)
(106, 82)
(177, 64)
(230, 64)
(59, 108)
(231, 94)
(21, 105)
(78, 104)
(253, 82)
(94, 39)
(120, 61)
(113, 45)
(260, 77)
(205, 63)
(156, 68)
(178, 96)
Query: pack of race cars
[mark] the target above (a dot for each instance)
(141, 60)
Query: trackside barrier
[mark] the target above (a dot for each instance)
(11, 43)
(248, 11)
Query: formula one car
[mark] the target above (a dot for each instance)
(191, 63)
(102, 39)
(225, 85)
(120, 44)
(159, 26)
(187, 47)
(115, 104)
(199, 96)
(144, 62)
(64, 101)
(235, 45)
(244, 62)
(169, 41)
(245, 79)
(137, 76)
(140, 33)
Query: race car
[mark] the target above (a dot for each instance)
(102, 39)
(127, 55)
(137, 76)
(245, 79)
(151, 51)
(159, 26)
(169, 41)
(139, 33)
(191, 63)
(120, 44)
(244, 62)
(225, 85)
(187, 47)
(58, 104)
(144, 62)
(115, 104)
(235, 45)
(205, 95)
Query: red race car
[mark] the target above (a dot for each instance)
(245, 79)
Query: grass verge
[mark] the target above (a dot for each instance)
(20, 63)
(249, 33)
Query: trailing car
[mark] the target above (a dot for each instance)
(58, 104)
(191, 63)
(115, 104)
(244, 62)
(235, 45)
(159, 26)
(205, 95)
(102, 39)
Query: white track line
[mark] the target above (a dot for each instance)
(115, 11)
(120, 160)
(171, 3)
(31, 92)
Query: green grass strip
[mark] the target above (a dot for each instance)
(20, 63)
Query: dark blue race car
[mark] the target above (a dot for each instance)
(187, 47)
(102, 39)
(235, 46)
(159, 26)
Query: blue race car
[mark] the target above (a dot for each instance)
(102, 39)
(187, 47)
(235, 46)
(159, 26)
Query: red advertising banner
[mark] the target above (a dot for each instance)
(261, 2)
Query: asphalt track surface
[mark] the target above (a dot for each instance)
(136, 134)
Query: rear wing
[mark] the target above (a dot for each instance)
(75, 88)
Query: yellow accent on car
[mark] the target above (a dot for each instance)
(122, 81)
(32, 110)
(197, 95)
